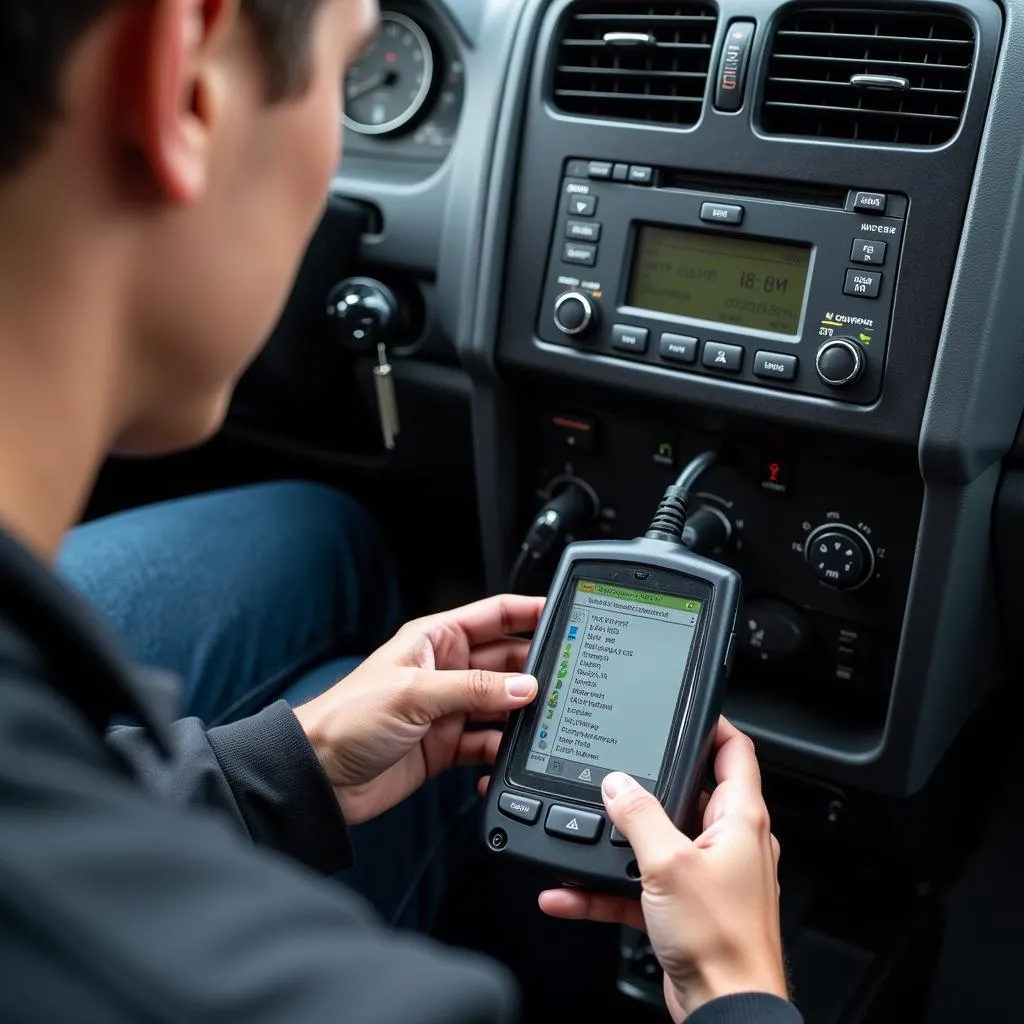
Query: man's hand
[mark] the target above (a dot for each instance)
(710, 906)
(401, 718)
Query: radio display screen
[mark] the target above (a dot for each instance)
(720, 279)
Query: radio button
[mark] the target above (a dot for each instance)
(581, 206)
(584, 230)
(521, 808)
(864, 283)
(775, 366)
(630, 339)
(721, 213)
(600, 170)
(727, 358)
(620, 172)
(641, 175)
(584, 255)
(574, 313)
(870, 202)
(579, 826)
(840, 363)
(867, 250)
(677, 348)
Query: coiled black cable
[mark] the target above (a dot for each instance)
(669, 521)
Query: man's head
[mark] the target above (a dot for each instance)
(184, 149)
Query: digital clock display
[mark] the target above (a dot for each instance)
(720, 279)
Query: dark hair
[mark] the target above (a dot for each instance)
(37, 37)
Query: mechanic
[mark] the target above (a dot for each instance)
(162, 166)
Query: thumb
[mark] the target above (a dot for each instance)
(641, 819)
(473, 692)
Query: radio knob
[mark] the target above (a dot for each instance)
(840, 362)
(840, 556)
(575, 313)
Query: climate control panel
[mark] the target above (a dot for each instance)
(824, 541)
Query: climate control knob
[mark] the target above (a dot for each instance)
(575, 313)
(840, 362)
(840, 556)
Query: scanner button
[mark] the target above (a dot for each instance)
(579, 826)
(618, 839)
(522, 808)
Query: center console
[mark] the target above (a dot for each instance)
(737, 226)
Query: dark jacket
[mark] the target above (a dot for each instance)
(173, 873)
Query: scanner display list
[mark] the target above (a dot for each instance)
(612, 697)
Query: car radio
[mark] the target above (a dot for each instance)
(753, 284)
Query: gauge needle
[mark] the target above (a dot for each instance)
(373, 82)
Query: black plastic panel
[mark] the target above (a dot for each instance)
(936, 181)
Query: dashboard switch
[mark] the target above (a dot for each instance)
(865, 283)
(731, 79)
(775, 366)
(581, 206)
(870, 202)
(772, 630)
(641, 175)
(630, 339)
(600, 170)
(678, 348)
(721, 213)
(583, 231)
(868, 250)
(840, 556)
(583, 255)
(723, 357)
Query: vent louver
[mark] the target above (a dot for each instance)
(631, 61)
(889, 76)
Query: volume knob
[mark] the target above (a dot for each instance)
(840, 362)
(575, 313)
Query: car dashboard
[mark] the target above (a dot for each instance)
(598, 237)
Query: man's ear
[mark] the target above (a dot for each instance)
(182, 91)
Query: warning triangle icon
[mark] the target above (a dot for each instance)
(585, 775)
(574, 825)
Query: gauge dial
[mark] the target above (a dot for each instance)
(387, 89)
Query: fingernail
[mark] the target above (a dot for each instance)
(618, 783)
(519, 687)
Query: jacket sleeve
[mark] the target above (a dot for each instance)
(260, 772)
(118, 906)
(751, 1008)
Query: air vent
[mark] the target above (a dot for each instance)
(628, 61)
(886, 76)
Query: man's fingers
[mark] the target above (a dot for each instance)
(500, 656)
(476, 748)
(735, 760)
(483, 785)
(492, 619)
(473, 692)
(578, 905)
(642, 820)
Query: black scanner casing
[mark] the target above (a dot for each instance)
(602, 866)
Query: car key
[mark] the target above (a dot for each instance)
(387, 401)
